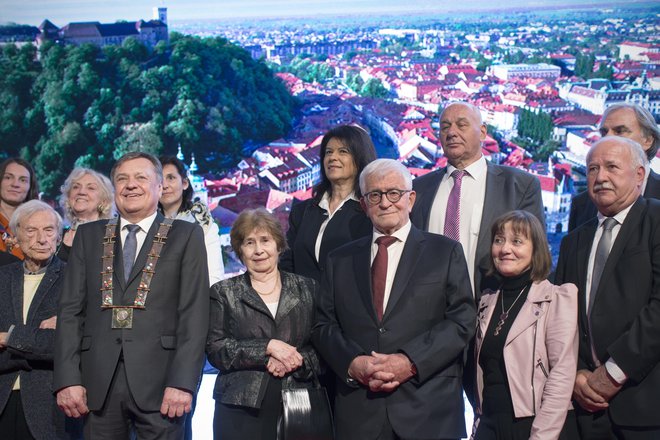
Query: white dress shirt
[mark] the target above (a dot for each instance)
(325, 205)
(141, 235)
(611, 366)
(473, 194)
(394, 252)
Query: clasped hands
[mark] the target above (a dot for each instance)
(282, 358)
(593, 390)
(381, 372)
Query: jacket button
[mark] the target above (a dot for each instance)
(382, 330)
(118, 340)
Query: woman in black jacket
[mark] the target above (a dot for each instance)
(259, 336)
(333, 216)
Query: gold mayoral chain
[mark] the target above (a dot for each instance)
(122, 316)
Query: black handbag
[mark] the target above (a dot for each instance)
(306, 413)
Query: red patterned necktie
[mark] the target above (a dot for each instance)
(379, 273)
(453, 213)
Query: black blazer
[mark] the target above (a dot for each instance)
(29, 352)
(583, 209)
(507, 189)
(430, 316)
(305, 219)
(625, 319)
(165, 347)
(241, 326)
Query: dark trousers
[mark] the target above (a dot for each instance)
(121, 419)
(599, 426)
(12, 419)
(388, 433)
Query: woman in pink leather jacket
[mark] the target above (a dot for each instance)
(527, 342)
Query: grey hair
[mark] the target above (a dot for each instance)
(28, 209)
(645, 120)
(105, 209)
(637, 154)
(382, 167)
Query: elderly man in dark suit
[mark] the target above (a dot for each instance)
(614, 259)
(462, 200)
(395, 339)
(29, 292)
(630, 121)
(133, 316)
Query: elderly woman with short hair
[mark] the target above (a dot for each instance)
(527, 341)
(86, 196)
(259, 336)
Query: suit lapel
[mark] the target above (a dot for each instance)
(585, 240)
(426, 202)
(44, 287)
(492, 197)
(407, 264)
(362, 274)
(287, 300)
(118, 261)
(16, 289)
(653, 186)
(253, 299)
(530, 312)
(629, 226)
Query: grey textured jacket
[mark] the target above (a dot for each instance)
(240, 327)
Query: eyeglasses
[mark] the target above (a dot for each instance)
(393, 195)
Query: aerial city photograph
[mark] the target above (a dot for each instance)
(514, 129)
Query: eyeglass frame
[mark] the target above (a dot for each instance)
(400, 193)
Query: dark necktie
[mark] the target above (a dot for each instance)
(453, 213)
(602, 252)
(130, 248)
(379, 273)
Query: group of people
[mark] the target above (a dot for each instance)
(400, 294)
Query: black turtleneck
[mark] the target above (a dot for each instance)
(496, 393)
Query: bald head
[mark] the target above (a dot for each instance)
(461, 134)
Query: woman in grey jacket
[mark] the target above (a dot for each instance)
(259, 336)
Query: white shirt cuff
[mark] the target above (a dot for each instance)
(617, 373)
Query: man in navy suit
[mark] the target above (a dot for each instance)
(614, 259)
(630, 121)
(487, 191)
(395, 339)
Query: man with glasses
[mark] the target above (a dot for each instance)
(462, 200)
(394, 317)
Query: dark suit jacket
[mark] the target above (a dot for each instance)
(583, 209)
(347, 224)
(430, 316)
(241, 326)
(507, 189)
(625, 319)
(29, 352)
(165, 347)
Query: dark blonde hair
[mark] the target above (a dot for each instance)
(251, 219)
(525, 224)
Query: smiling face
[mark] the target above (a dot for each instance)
(85, 198)
(259, 252)
(388, 217)
(38, 238)
(338, 163)
(15, 184)
(612, 180)
(461, 133)
(137, 189)
(511, 252)
(173, 186)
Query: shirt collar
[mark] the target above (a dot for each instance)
(401, 234)
(324, 203)
(40, 271)
(144, 224)
(476, 169)
(619, 217)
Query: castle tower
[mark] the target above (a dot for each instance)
(160, 13)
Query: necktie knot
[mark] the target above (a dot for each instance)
(386, 240)
(610, 223)
(458, 175)
(132, 229)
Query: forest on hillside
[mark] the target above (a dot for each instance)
(62, 106)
